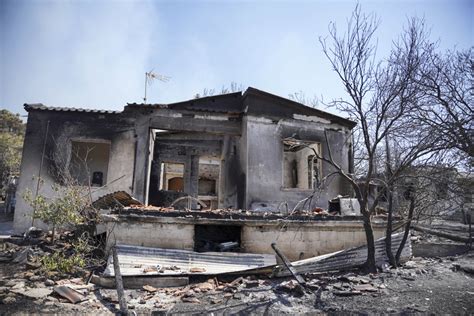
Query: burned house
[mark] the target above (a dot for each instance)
(227, 151)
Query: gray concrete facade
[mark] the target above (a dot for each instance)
(243, 132)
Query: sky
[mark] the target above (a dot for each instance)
(94, 54)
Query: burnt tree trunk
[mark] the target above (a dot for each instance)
(388, 233)
(369, 234)
(411, 210)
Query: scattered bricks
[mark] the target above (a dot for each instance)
(149, 288)
(206, 286)
(292, 287)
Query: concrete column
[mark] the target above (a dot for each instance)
(142, 156)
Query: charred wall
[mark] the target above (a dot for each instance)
(62, 129)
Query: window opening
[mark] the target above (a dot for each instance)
(172, 176)
(89, 162)
(301, 167)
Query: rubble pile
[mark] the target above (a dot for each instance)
(53, 292)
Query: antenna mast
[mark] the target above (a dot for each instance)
(150, 76)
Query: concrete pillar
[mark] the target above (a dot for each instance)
(142, 155)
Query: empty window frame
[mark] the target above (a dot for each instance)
(172, 176)
(208, 182)
(89, 162)
(301, 167)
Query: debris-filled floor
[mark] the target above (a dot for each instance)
(433, 285)
(422, 285)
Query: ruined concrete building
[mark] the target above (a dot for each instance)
(229, 151)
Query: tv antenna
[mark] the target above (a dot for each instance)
(150, 76)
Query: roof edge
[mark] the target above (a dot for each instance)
(41, 107)
(333, 117)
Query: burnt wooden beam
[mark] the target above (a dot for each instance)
(289, 266)
(119, 283)
(196, 125)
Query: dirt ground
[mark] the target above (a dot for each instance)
(433, 286)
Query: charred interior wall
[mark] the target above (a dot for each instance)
(183, 137)
(65, 128)
(264, 155)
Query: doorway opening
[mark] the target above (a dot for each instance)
(217, 238)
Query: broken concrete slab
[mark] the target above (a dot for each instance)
(35, 293)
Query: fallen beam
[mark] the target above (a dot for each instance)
(440, 233)
(347, 259)
(119, 284)
(288, 265)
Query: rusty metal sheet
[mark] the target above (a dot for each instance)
(72, 295)
(348, 258)
(135, 260)
(119, 198)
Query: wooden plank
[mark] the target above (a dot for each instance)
(119, 284)
(347, 259)
(196, 125)
(144, 261)
(138, 282)
(288, 265)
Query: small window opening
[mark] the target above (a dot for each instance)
(301, 167)
(217, 238)
(208, 182)
(89, 162)
(172, 175)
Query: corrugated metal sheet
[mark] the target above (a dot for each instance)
(346, 259)
(118, 198)
(141, 261)
(42, 107)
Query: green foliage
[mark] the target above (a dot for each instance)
(66, 208)
(12, 132)
(62, 263)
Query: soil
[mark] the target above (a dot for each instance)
(422, 285)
